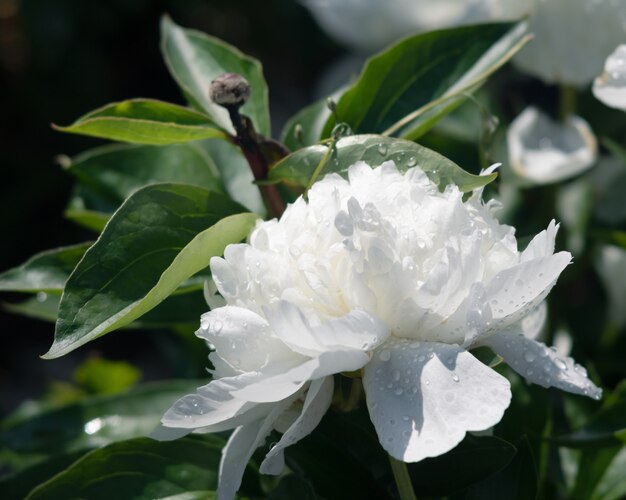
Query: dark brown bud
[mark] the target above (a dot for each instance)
(229, 90)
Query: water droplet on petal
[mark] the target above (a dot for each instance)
(529, 356)
(560, 364)
(455, 377)
(385, 355)
(382, 149)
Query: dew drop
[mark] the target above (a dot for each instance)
(395, 375)
(411, 162)
(560, 364)
(217, 326)
(455, 377)
(382, 149)
(398, 391)
(529, 356)
(385, 355)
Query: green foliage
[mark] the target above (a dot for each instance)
(155, 241)
(374, 150)
(145, 121)
(101, 376)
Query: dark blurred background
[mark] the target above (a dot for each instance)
(60, 59)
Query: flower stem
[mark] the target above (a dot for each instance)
(403, 480)
(567, 101)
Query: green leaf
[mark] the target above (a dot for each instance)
(517, 481)
(155, 241)
(18, 485)
(195, 59)
(470, 462)
(235, 174)
(94, 421)
(89, 219)
(612, 486)
(298, 167)
(142, 469)
(305, 128)
(292, 486)
(406, 89)
(604, 428)
(46, 271)
(145, 121)
(115, 171)
(592, 467)
(44, 306)
(192, 495)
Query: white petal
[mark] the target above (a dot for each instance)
(516, 291)
(290, 325)
(424, 397)
(163, 433)
(542, 245)
(212, 404)
(610, 86)
(544, 151)
(283, 384)
(356, 330)
(239, 449)
(317, 401)
(243, 339)
(540, 364)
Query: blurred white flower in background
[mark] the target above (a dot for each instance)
(572, 37)
(386, 275)
(610, 86)
(610, 263)
(544, 151)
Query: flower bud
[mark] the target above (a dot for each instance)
(229, 89)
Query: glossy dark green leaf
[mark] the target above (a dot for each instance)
(145, 121)
(298, 167)
(517, 481)
(142, 469)
(114, 172)
(407, 88)
(44, 306)
(18, 485)
(161, 236)
(195, 59)
(473, 460)
(592, 467)
(94, 421)
(46, 271)
(306, 127)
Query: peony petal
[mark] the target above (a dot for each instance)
(424, 397)
(285, 383)
(544, 151)
(514, 292)
(162, 433)
(317, 401)
(610, 86)
(212, 404)
(240, 447)
(540, 364)
(243, 339)
(542, 245)
(290, 325)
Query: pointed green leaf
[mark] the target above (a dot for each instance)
(94, 421)
(195, 59)
(143, 469)
(115, 171)
(298, 167)
(46, 271)
(89, 219)
(161, 236)
(407, 88)
(145, 121)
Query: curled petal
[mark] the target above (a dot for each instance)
(424, 397)
(544, 152)
(317, 401)
(240, 447)
(540, 364)
(610, 86)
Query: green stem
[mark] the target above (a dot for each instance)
(403, 480)
(567, 101)
(322, 164)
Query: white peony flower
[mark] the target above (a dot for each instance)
(369, 25)
(544, 151)
(384, 274)
(610, 86)
(572, 37)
